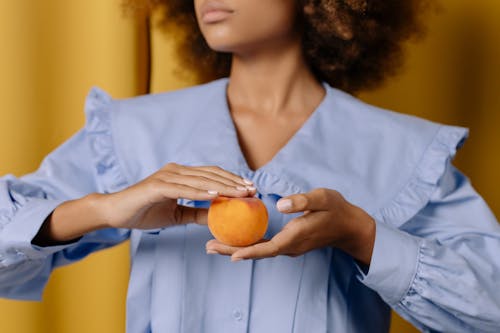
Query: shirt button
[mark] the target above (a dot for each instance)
(237, 315)
(101, 168)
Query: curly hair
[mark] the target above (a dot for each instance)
(353, 45)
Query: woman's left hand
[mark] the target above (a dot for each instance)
(328, 220)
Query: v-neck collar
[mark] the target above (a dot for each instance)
(296, 137)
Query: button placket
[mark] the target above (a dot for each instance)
(237, 314)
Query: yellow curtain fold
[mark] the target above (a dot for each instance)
(53, 51)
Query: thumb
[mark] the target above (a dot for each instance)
(317, 199)
(293, 203)
(191, 215)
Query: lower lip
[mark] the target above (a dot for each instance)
(215, 16)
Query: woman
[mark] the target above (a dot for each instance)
(366, 210)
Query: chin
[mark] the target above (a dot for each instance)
(223, 39)
(222, 46)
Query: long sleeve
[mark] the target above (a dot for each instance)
(84, 164)
(441, 269)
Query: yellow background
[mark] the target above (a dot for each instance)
(53, 51)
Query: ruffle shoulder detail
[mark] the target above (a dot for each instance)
(98, 109)
(425, 179)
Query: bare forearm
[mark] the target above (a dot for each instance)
(361, 243)
(71, 220)
(149, 204)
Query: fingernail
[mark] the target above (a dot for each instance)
(284, 204)
(251, 188)
(211, 252)
(234, 259)
(241, 188)
(247, 181)
(213, 192)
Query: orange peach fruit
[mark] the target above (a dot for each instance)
(237, 221)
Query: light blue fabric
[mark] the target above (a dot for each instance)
(436, 258)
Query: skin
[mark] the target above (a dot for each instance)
(271, 91)
(149, 204)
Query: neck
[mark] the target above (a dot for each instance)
(273, 81)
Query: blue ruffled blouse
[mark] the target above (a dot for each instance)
(435, 259)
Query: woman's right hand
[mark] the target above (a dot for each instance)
(149, 204)
(152, 203)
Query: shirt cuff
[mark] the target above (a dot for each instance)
(24, 226)
(393, 264)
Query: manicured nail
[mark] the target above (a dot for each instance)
(284, 204)
(241, 188)
(247, 181)
(212, 252)
(213, 192)
(234, 259)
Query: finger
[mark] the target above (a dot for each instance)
(257, 251)
(224, 176)
(165, 190)
(206, 184)
(214, 246)
(214, 170)
(318, 199)
(185, 215)
(224, 173)
(279, 244)
(215, 177)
